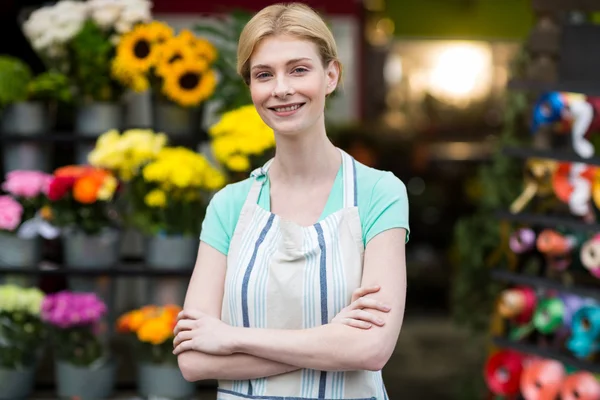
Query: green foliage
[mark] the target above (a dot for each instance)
(231, 91)
(92, 52)
(78, 346)
(51, 85)
(15, 77)
(479, 236)
(21, 335)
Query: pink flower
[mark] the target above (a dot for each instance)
(27, 184)
(11, 213)
(71, 309)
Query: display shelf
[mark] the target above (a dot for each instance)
(547, 353)
(548, 221)
(133, 269)
(544, 283)
(70, 137)
(562, 5)
(582, 87)
(525, 153)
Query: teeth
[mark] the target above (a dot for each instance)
(284, 109)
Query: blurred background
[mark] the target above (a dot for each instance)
(434, 91)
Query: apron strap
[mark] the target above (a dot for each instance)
(349, 180)
(260, 176)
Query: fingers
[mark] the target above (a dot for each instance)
(366, 317)
(183, 325)
(356, 323)
(363, 291)
(190, 314)
(181, 337)
(183, 346)
(365, 302)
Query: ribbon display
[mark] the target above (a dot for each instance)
(585, 331)
(548, 316)
(590, 255)
(542, 380)
(503, 372)
(518, 304)
(571, 304)
(572, 184)
(522, 240)
(538, 181)
(556, 248)
(580, 386)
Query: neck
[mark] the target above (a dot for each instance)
(306, 158)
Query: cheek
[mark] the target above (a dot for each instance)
(259, 93)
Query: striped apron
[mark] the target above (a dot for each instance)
(281, 275)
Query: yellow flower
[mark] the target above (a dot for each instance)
(107, 190)
(156, 198)
(159, 32)
(238, 163)
(189, 82)
(172, 51)
(131, 78)
(155, 331)
(136, 51)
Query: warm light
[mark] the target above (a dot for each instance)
(461, 72)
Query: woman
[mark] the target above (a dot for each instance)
(291, 258)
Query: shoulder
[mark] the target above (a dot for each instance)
(232, 194)
(373, 183)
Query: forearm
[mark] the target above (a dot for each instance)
(197, 366)
(331, 347)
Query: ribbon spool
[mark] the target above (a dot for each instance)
(572, 184)
(503, 372)
(590, 255)
(548, 316)
(585, 331)
(571, 304)
(538, 180)
(542, 380)
(522, 240)
(518, 304)
(580, 386)
(556, 247)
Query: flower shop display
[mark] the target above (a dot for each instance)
(150, 330)
(82, 200)
(22, 335)
(24, 218)
(178, 68)
(241, 141)
(84, 366)
(25, 105)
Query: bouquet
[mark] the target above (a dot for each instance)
(241, 141)
(152, 329)
(74, 320)
(171, 193)
(179, 68)
(79, 39)
(21, 330)
(83, 198)
(24, 209)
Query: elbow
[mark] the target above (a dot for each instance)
(375, 357)
(191, 370)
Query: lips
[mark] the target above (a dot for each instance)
(287, 107)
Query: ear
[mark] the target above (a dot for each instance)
(333, 76)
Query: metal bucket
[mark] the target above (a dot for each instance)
(16, 252)
(16, 384)
(92, 120)
(163, 381)
(85, 383)
(175, 120)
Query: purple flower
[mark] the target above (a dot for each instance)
(70, 309)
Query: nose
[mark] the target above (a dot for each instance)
(282, 87)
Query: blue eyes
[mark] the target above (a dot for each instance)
(296, 71)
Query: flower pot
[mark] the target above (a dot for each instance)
(25, 119)
(164, 381)
(19, 253)
(16, 384)
(175, 120)
(170, 252)
(85, 383)
(92, 120)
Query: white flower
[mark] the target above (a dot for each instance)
(105, 12)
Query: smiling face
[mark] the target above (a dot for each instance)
(288, 84)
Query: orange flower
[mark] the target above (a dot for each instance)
(124, 323)
(86, 189)
(74, 171)
(155, 331)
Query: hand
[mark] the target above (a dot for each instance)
(355, 315)
(198, 331)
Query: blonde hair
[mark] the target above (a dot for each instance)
(293, 19)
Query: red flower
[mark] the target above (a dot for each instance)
(59, 186)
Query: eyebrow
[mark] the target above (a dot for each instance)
(293, 61)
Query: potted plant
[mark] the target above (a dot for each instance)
(22, 335)
(25, 103)
(178, 68)
(84, 367)
(24, 218)
(82, 201)
(150, 328)
(241, 141)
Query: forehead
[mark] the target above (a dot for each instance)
(277, 50)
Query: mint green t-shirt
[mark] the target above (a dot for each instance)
(382, 205)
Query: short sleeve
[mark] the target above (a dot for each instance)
(388, 207)
(215, 227)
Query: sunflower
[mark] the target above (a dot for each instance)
(137, 51)
(189, 82)
(159, 31)
(205, 49)
(171, 51)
